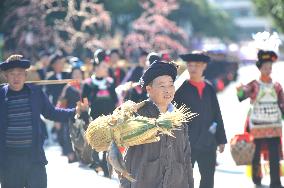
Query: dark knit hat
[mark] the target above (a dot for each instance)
(156, 69)
(143, 53)
(100, 56)
(55, 57)
(265, 56)
(15, 61)
(152, 57)
(196, 57)
(114, 51)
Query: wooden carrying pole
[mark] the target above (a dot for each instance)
(49, 82)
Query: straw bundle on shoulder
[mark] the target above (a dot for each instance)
(126, 129)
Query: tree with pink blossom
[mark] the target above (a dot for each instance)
(152, 31)
(71, 26)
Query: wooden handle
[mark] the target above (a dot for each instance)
(49, 82)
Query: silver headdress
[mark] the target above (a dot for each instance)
(266, 41)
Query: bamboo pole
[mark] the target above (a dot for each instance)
(50, 82)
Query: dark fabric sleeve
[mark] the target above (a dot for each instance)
(1, 173)
(113, 93)
(178, 99)
(89, 91)
(49, 87)
(280, 97)
(246, 91)
(187, 151)
(64, 94)
(70, 98)
(85, 117)
(124, 183)
(53, 113)
(68, 94)
(220, 131)
(54, 90)
(122, 74)
(134, 153)
(86, 91)
(130, 75)
(135, 76)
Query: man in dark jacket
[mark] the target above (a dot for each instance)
(22, 158)
(53, 91)
(137, 94)
(57, 62)
(115, 71)
(163, 164)
(206, 131)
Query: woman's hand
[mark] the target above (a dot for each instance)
(221, 148)
(82, 106)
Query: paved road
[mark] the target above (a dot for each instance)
(62, 174)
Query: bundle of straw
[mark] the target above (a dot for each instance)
(127, 129)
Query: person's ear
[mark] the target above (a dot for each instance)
(148, 88)
(5, 74)
(205, 66)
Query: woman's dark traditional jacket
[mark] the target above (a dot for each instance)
(208, 110)
(163, 164)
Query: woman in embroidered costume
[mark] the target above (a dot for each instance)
(70, 95)
(100, 92)
(264, 118)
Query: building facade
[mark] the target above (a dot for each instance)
(244, 15)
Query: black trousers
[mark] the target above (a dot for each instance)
(273, 145)
(67, 147)
(100, 163)
(20, 172)
(206, 161)
(60, 136)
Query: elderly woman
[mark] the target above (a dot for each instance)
(167, 163)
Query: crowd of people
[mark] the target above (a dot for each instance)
(102, 84)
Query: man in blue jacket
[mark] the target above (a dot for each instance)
(22, 158)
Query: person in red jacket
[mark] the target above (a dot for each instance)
(206, 131)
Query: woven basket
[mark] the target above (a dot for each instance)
(242, 149)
